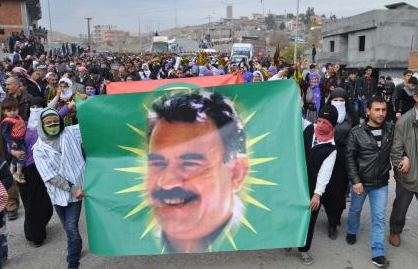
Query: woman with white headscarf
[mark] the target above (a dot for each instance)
(258, 76)
(64, 95)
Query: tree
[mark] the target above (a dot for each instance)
(279, 38)
(282, 26)
(308, 14)
(287, 54)
(270, 22)
(290, 16)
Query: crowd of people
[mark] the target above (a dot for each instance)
(351, 142)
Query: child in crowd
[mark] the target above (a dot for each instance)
(13, 129)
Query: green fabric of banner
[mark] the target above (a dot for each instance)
(175, 191)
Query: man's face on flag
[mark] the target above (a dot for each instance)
(190, 187)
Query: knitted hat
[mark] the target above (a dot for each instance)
(329, 113)
(51, 112)
(37, 101)
(339, 93)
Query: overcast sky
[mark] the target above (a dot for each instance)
(68, 16)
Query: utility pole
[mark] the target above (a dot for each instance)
(139, 34)
(50, 25)
(88, 33)
(297, 33)
(208, 17)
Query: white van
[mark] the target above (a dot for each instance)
(242, 49)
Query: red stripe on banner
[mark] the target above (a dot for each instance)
(149, 85)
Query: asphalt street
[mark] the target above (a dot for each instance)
(327, 253)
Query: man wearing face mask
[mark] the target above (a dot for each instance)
(90, 89)
(320, 153)
(368, 166)
(59, 160)
(334, 196)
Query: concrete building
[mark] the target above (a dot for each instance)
(18, 15)
(294, 25)
(229, 14)
(319, 20)
(380, 38)
(99, 31)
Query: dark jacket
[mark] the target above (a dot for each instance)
(24, 105)
(403, 100)
(405, 142)
(368, 91)
(352, 89)
(366, 162)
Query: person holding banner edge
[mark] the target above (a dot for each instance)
(320, 153)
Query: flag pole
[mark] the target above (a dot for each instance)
(297, 32)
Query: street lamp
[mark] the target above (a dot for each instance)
(50, 24)
(296, 36)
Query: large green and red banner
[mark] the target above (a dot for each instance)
(151, 85)
(194, 169)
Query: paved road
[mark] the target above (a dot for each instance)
(328, 254)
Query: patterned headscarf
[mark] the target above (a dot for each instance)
(25, 74)
(316, 90)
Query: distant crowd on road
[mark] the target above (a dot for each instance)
(349, 116)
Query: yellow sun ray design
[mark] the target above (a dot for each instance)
(146, 108)
(247, 198)
(258, 181)
(135, 170)
(230, 239)
(136, 188)
(137, 151)
(248, 224)
(244, 192)
(138, 208)
(136, 130)
(254, 141)
(247, 119)
(151, 225)
(257, 161)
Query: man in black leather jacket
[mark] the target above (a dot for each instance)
(368, 165)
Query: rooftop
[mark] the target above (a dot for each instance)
(400, 5)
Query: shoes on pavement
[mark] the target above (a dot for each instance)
(332, 232)
(12, 215)
(380, 262)
(395, 240)
(288, 250)
(38, 244)
(306, 258)
(351, 239)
